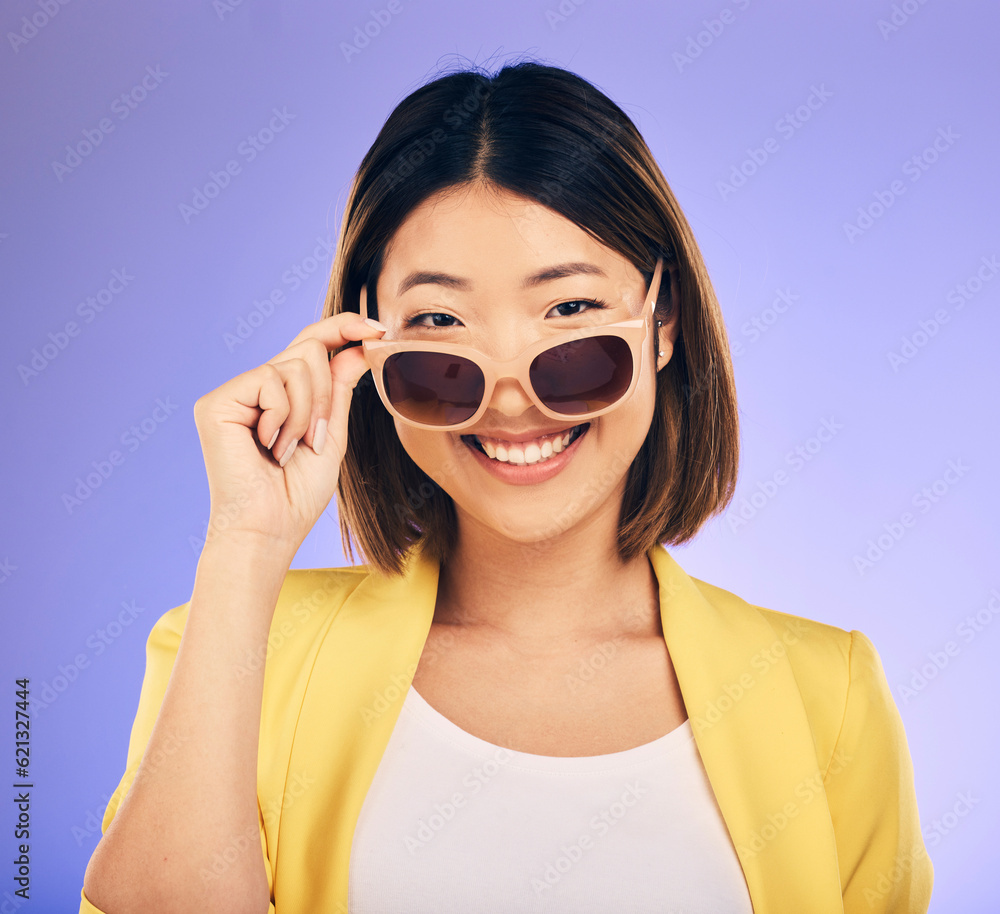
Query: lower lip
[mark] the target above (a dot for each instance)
(528, 474)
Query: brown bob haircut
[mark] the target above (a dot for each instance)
(548, 135)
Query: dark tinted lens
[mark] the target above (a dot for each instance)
(433, 387)
(584, 375)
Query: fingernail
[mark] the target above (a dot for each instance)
(375, 324)
(274, 437)
(319, 437)
(288, 453)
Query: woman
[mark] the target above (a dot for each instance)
(521, 703)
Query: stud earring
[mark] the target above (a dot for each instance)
(659, 323)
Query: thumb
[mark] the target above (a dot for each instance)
(346, 369)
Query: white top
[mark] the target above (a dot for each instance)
(453, 824)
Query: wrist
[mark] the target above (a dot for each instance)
(249, 545)
(246, 559)
(239, 579)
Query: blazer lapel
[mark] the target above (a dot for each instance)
(752, 732)
(363, 669)
(755, 744)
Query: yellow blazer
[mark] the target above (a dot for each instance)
(794, 720)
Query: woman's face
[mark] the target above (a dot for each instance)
(490, 241)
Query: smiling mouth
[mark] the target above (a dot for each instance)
(527, 453)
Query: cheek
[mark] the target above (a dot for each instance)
(626, 428)
(642, 405)
(418, 443)
(438, 454)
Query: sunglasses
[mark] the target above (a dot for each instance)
(577, 375)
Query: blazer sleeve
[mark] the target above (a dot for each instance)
(884, 865)
(161, 650)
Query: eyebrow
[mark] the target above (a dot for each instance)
(558, 271)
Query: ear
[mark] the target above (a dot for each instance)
(363, 306)
(670, 328)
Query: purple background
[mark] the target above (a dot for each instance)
(885, 96)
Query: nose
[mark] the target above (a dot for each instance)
(509, 398)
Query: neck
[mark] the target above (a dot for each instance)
(570, 588)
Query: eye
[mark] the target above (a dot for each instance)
(418, 320)
(590, 303)
(440, 319)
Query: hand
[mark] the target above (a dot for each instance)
(275, 488)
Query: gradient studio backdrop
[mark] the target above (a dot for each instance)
(838, 166)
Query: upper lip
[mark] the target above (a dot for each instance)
(521, 437)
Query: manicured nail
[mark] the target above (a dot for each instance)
(319, 438)
(288, 453)
(375, 324)
(274, 438)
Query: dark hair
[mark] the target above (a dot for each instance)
(548, 135)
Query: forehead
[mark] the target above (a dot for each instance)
(491, 235)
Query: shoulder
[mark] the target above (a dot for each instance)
(861, 750)
(829, 664)
(309, 599)
(804, 640)
(307, 604)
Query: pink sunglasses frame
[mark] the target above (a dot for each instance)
(635, 332)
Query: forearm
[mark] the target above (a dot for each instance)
(194, 797)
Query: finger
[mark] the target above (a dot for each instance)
(346, 369)
(338, 330)
(255, 399)
(316, 357)
(297, 386)
(272, 401)
(318, 340)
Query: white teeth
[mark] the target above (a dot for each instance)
(526, 454)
